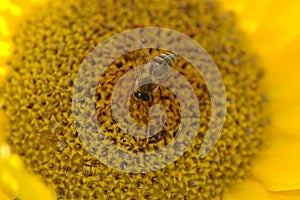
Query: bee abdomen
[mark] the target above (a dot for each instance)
(168, 58)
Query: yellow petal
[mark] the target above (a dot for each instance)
(278, 167)
(250, 14)
(280, 25)
(282, 67)
(3, 196)
(4, 48)
(8, 5)
(3, 27)
(252, 189)
(237, 6)
(271, 24)
(283, 85)
(285, 120)
(248, 190)
(15, 182)
(11, 11)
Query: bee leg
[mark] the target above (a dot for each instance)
(160, 91)
(163, 125)
(165, 97)
(147, 131)
(152, 97)
(138, 138)
(165, 139)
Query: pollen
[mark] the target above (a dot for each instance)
(47, 52)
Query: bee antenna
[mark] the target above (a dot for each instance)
(141, 43)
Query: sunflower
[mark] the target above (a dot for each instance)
(274, 171)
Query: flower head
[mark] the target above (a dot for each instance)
(48, 49)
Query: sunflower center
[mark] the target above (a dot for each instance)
(48, 51)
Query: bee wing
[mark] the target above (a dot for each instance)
(161, 65)
(142, 55)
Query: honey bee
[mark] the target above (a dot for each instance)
(157, 68)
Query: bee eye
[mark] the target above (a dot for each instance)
(142, 96)
(137, 94)
(145, 97)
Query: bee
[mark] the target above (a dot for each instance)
(156, 69)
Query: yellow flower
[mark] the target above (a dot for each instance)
(272, 27)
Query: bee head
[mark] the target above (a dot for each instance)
(141, 95)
